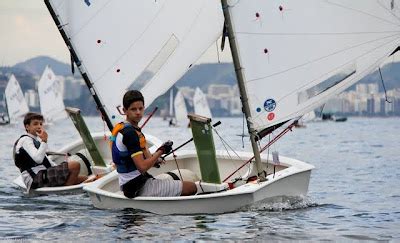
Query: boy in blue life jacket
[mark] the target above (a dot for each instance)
(36, 168)
(133, 159)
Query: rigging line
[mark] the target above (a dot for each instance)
(288, 128)
(316, 34)
(177, 166)
(383, 85)
(320, 58)
(224, 142)
(216, 45)
(362, 12)
(243, 130)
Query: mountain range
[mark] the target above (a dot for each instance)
(29, 71)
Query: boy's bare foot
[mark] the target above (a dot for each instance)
(91, 178)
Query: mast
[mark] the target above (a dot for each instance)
(78, 63)
(6, 108)
(171, 102)
(242, 89)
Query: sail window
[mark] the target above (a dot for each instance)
(156, 64)
(326, 84)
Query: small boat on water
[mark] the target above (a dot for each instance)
(291, 179)
(331, 117)
(180, 109)
(289, 59)
(16, 104)
(51, 97)
(200, 104)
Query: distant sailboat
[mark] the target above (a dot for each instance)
(180, 109)
(200, 104)
(51, 97)
(15, 101)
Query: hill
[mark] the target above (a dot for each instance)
(36, 65)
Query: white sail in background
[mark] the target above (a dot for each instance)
(51, 97)
(308, 117)
(297, 54)
(180, 109)
(16, 103)
(171, 101)
(200, 104)
(141, 44)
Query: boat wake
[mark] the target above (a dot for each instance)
(283, 204)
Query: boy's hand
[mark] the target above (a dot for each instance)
(166, 147)
(43, 135)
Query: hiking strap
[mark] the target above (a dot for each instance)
(86, 161)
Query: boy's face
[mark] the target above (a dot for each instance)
(34, 127)
(135, 112)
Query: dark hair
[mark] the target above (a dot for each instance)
(32, 116)
(130, 97)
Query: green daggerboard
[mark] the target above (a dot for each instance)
(204, 142)
(77, 119)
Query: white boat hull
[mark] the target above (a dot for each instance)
(289, 182)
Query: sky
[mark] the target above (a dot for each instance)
(27, 30)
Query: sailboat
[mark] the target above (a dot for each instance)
(15, 101)
(180, 109)
(51, 97)
(200, 104)
(121, 62)
(289, 59)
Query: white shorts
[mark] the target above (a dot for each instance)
(161, 188)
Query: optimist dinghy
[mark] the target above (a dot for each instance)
(290, 180)
(15, 101)
(289, 59)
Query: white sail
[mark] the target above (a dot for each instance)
(200, 104)
(171, 101)
(51, 97)
(308, 117)
(141, 44)
(16, 103)
(297, 54)
(180, 109)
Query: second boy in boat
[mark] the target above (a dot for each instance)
(36, 168)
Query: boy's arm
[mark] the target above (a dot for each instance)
(36, 154)
(143, 160)
(147, 153)
(144, 164)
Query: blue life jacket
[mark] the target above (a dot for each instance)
(122, 159)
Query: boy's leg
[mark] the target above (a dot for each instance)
(74, 177)
(188, 188)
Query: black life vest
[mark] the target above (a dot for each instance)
(24, 161)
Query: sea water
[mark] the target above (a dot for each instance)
(354, 190)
